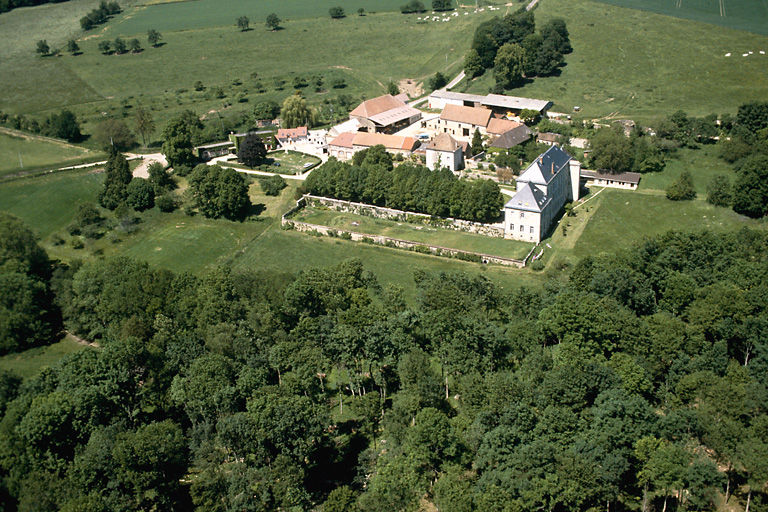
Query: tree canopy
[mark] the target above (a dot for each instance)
(219, 192)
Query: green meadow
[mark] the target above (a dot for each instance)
(344, 221)
(629, 63)
(738, 14)
(28, 363)
(19, 152)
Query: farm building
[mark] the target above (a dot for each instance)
(548, 138)
(511, 138)
(461, 122)
(288, 135)
(344, 146)
(385, 114)
(445, 151)
(210, 151)
(500, 104)
(543, 188)
(625, 180)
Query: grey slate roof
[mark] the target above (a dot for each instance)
(528, 198)
(513, 102)
(546, 165)
(512, 138)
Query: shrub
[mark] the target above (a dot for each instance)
(682, 189)
(719, 191)
(272, 185)
(412, 6)
(141, 194)
(167, 203)
(336, 12)
(537, 265)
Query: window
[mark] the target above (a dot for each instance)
(522, 214)
(522, 228)
(531, 229)
(465, 132)
(511, 227)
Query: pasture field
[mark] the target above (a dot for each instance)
(47, 203)
(21, 152)
(615, 220)
(628, 63)
(28, 363)
(344, 221)
(738, 14)
(703, 164)
(282, 251)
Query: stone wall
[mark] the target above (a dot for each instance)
(379, 212)
(395, 242)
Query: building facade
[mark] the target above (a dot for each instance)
(552, 180)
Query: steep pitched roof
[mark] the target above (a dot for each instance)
(528, 198)
(512, 138)
(374, 106)
(443, 142)
(498, 126)
(343, 140)
(388, 141)
(546, 166)
(292, 133)
(470, 115)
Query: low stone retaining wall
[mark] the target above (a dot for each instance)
(380, 212)
(393, 242)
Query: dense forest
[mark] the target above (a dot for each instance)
(371, 178)
(632, 382)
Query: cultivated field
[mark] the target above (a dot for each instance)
(628, 63)
(451, 239)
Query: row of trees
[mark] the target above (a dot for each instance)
(613, 152)
(63, 125)
(372, 179)
(99, 15)
(511, 46)
(244, 23)
(638, 382)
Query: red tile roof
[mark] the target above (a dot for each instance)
(470, 115)
(292, 133)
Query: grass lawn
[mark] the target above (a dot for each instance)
(343, 221)
(628, 63)
(291, 251)
(366, 51)
(29, 363)
(616, 219)
(739, 14)
(18, 153)
(292, 162)
(703, 164)
(47, 203)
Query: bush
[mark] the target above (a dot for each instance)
(182, 170)
(719, 191)
(272, 185)
(537, 265)
(167, 203)
(682, 189)
(413, 6)
(141, 194)
(336, 12)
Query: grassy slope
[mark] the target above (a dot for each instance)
(29, 363)
(47, 203)
(739, 14)
(35, 152)
(418, 233)
(636, 64)
(703, 164)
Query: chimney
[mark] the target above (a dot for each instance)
(575, 172)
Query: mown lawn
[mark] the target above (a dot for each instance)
(28, 363)
(628, 63)
(616, 219)
(738, 14)
(343, 221)
(18, 153)
(47, 203)
(291, 251)
(703, 164)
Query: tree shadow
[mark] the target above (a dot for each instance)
(256, 209)
(158, 45)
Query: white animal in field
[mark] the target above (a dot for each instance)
(728, 54)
